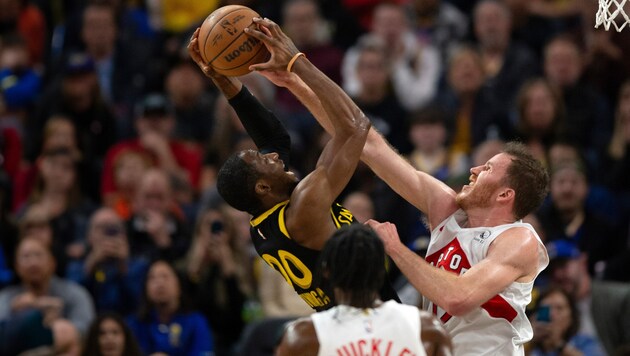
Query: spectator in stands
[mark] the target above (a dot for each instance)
(155, 124)
(604, 307)
(40, 289)
(540, 116)
(439, 23)
(110, 336)
(129, 167)
(619, 146)
(185, 87)
(507, 64)
(20, 82)
(76, 94)
(589, 118)
(303, 23)
(111, 275)
(28, 334)
(414, 67)
(569, 218)
(18, 16)
(431, 153)
(476, 118)
(360, 204)
(215, 267)
(157, 227)
(556, 324)
(57, 193)
(374, 96)
(164, 324)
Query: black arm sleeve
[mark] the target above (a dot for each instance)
(262, 125)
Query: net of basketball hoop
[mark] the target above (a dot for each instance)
(615, 12)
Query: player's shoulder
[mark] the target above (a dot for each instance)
(300, 338)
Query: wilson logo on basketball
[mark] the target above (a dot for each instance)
(247, 46)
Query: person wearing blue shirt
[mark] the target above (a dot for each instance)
(162, 325)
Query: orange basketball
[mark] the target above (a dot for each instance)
(225, 46)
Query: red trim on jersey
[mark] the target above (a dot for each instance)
(498, 307)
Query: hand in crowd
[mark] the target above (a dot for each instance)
(51, 307)
(155, 143)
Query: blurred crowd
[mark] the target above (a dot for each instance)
(113, 239)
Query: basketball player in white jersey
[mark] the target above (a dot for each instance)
(482, 261)
(353, 262)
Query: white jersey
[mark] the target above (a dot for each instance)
(499, 326)
(390, 329)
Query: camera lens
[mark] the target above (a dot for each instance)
(216, 226)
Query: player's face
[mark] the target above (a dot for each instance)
(485, 181)
(268, 165)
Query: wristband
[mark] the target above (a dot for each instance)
(292, 61)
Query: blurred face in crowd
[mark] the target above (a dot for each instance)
(79, 90)
(540, 107)
(389, 23)
(466, 73)
(562, 152)
(184, 85)
(428, 137)
(568, 189)
(99, 30)
(14, 57)
(624, 110)
(560, 312)
(60, 132)
(162, 284)
(34, 262)
(360, 205)
(562, 62)
(105, 224)
(372, 70)
(300, 22)
(154, 193)
(492, 25)
(111, 338)
(58, 172)
(161, 123)
(35, 224)
(568, 274)
(128, 171)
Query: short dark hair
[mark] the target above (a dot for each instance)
(236, 183)
(353, 260)
(528, 177)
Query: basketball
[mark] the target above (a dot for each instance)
(224, 45)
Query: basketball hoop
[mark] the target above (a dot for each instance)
(613, 12)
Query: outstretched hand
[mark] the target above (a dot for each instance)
(387, 232)
(279, 45)
(195, 54)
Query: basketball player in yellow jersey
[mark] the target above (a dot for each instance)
(292, 219)
(361, 324)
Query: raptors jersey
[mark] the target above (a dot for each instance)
(499, 326)
(390, 329)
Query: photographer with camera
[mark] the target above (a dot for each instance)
(216, 269)
(112, 276)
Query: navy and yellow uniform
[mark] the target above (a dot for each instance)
(296, 263)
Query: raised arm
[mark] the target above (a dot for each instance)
(426, 193)
(311, 200)
(262, 125)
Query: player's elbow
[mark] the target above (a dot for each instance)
(458, 305)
